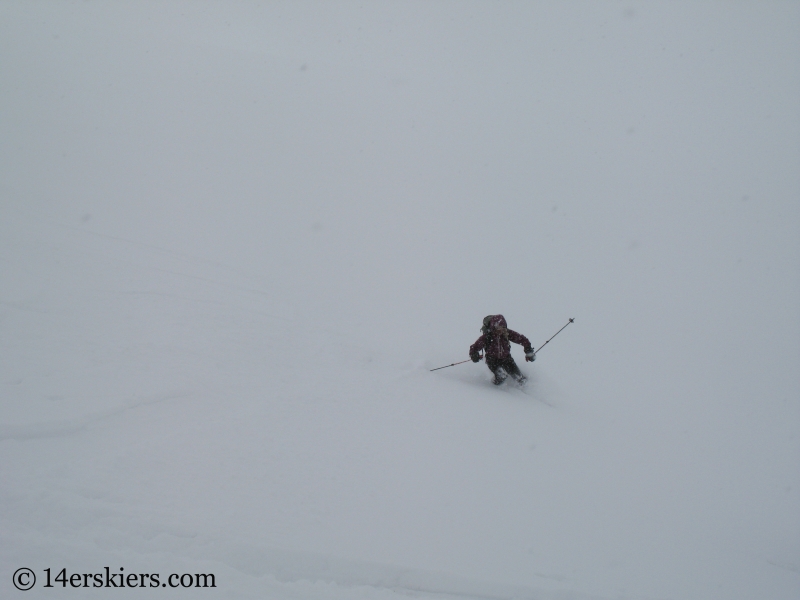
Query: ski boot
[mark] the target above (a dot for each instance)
(499, 376)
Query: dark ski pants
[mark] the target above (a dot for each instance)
(502, 368)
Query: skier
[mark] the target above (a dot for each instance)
(494, 341)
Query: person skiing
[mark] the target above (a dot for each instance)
(494, 341)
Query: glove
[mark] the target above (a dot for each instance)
(475, 357)
(530, 355)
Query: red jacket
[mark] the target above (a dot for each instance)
(496, 338)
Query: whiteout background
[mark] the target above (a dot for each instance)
(235, 237)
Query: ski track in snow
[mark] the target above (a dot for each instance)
(66, 428)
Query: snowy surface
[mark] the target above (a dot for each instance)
(235, 237)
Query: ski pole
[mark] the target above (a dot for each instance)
(554, 335)
(453, 365)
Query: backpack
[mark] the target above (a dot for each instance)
(495, 325)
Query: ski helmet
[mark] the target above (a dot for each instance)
(487, 320)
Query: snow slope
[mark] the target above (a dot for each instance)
(235, 238)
